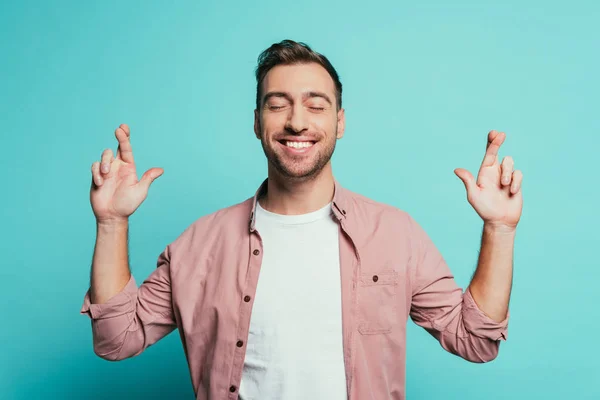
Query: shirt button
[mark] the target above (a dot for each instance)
(239, 343)
(246, 298)
(232, 388)
(375, 278)
(256, 252)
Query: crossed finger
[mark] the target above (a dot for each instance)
(495, 140)
(124, 152)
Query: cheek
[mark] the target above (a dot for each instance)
(273, 123)
(322, 122)
(329, 125)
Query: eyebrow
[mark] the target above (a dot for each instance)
(305, 96)
(317, 94)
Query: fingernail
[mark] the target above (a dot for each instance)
(104, 168)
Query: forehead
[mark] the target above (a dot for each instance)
(298, 78)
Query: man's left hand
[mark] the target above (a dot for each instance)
(496, 195)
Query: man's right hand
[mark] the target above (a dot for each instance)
(116, 193)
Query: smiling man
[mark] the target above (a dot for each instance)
(303, 290)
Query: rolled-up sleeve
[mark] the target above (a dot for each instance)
(441, 307)
(135, 318)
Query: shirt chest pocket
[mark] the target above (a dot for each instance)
(377, 298)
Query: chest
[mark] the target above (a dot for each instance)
(299, 282)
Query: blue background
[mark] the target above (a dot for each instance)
(423, 84)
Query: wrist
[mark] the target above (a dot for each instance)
(493, 228)
(112, 224)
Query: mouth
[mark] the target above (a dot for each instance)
(297, 146)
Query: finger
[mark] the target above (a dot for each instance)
(125, 128)
(490, 138)
(507, 171)
(107, 159)
(517, 179)
(149, 177)
(96, 177)
(467, 178)
(491, 153)
(124, 152)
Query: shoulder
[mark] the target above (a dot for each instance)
(367, 219)
(366, 207)
(232, 220)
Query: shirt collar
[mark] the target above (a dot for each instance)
(338, 207)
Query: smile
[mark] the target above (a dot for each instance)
(297, 145)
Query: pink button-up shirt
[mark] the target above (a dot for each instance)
(205, 282)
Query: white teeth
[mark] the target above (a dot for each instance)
(298, 145)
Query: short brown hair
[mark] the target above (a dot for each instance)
(289, 52)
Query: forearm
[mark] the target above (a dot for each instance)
(492, 282)
(110, 266)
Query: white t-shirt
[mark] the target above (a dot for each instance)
(294, 348)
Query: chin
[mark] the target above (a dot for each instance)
(296, 169)
(298, 174)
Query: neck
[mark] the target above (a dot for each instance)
(294, 197)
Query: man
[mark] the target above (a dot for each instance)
(339, 274)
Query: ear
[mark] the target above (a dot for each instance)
(341, 123)
(257, 124)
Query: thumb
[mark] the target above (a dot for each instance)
(467, 178)
(149, 177)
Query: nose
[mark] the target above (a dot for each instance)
(297, 121)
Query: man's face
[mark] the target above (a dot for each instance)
(298, 122)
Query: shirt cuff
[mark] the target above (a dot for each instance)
(119, 304)
(479, 323)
